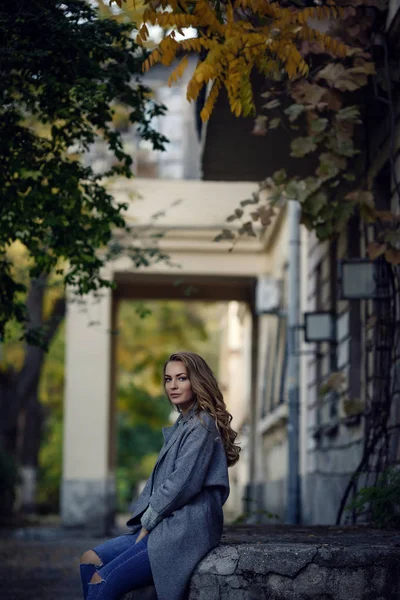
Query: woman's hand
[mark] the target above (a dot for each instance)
(142, 534)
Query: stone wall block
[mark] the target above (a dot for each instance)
(221, 561)
(311, 582)
(235, 582)
(279, 558)
(279, 587)
(351, 583)
(342, 557)
(204, 587)
(250, 592)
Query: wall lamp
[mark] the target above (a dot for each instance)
(268, 296)
(319, 326)
(358, 278)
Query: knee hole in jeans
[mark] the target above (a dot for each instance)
(91, 558)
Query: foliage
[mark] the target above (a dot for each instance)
(314, 82)
(380, 500)
(63, 68)
(233, 37)
(325, 115)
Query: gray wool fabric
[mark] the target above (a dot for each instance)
(181, 503)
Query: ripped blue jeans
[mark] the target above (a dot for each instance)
(125, 567)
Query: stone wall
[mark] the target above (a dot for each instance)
(282, 572)
(297, 563)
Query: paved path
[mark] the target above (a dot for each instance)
(41, 570)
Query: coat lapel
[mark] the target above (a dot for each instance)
(171, 434)
(168, 431)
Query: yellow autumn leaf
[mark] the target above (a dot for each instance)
(235, 43)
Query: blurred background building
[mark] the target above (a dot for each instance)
(186, 194)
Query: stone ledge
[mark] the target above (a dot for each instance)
(282, 562)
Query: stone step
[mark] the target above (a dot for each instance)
(297, 563)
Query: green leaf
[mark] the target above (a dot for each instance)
(294, 111)
(28, 174)
(315, 202)
(279, 177)
(341, 142)
(349, 113)
(292, 190)
(330, 165)
(226, 234)
(302, 146)
(274, 123)
(248, 201)
(247, 229)
(306, 93)
(319, 125)
(349, 176)
(236, 215)
(272, 104)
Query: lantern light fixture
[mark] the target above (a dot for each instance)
(319, 326)
(358, 278)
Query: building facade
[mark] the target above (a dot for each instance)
(349, 386)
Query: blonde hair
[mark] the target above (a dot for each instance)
(209, 398)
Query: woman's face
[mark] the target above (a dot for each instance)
(177, 385)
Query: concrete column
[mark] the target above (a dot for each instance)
(255, 446)
(88, 486)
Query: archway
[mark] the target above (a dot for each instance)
(209, 270)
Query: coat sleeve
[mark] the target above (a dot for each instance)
(185, 481)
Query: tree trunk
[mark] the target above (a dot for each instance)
(8, 434)
(21, 427)
(8, 442)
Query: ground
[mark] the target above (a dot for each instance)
(41, 570)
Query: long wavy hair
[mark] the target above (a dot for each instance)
(209, 398)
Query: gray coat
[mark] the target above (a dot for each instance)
(181, 503)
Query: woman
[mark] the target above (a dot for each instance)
(178, 517)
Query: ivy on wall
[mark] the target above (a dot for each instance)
(320, 70)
